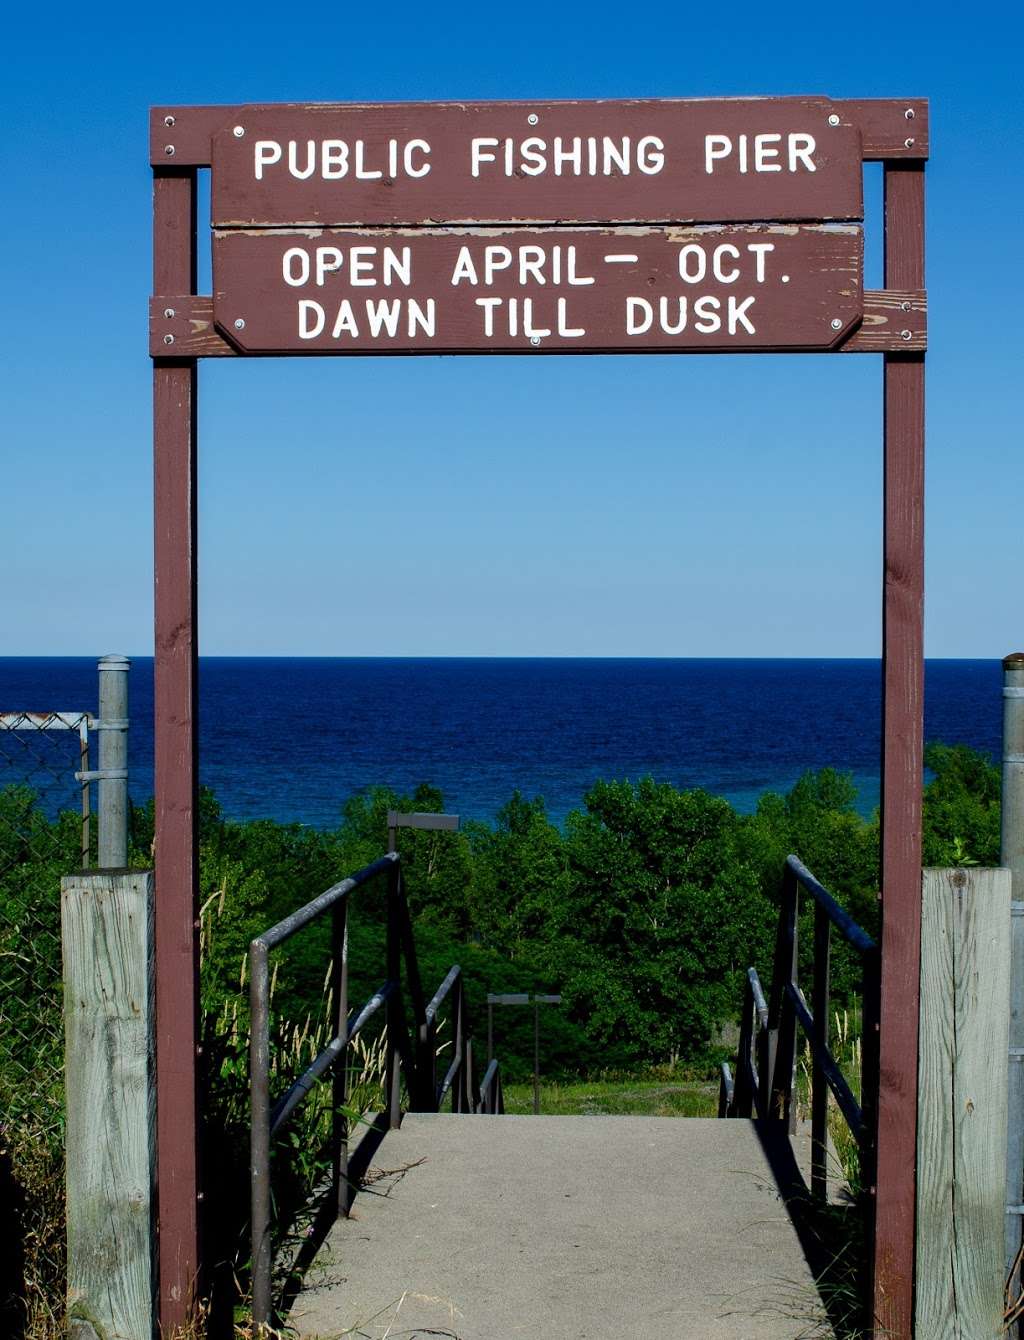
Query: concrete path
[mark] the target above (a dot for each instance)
(566, 1228)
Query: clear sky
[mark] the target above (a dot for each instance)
(691, 506)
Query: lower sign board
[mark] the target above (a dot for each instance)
(565, 290)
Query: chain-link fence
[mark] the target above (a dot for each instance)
(44, 834)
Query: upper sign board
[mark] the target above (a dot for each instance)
(419, 164)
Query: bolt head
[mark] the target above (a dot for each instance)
(168, 339)
(532, 119)
(908, 143)
(535, 340)
(906, 335)
(837, 323)
(238, 132)
(833, 120)
(168, 312)
(169, 150)
(239, 324)
(910, 113)
(168, 120)
(904, 306)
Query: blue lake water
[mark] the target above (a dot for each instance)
(292, 738)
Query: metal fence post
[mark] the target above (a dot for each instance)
(112, 725)
(1012, 857)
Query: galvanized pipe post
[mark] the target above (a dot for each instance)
(112, 724)
(1012, 857)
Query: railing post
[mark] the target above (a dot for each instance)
(339, 1029)
(394, 1005)
(1012, 858)
(259, 1087)
(112, 725)
(870, 1028)
(742, 1094)
(819, 1089)
(782, 1018)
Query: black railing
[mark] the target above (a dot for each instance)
(763, 1085)
(416, 1062)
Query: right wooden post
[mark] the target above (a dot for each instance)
(902, 772)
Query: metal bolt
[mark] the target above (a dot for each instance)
(535, 340)
(908, 144)
(904, 306)
(168, 339)
(910, 113)
(238, 132)
(168, 120)
(169, 150)
(837, 323)
(168, 312)
(532, 119)
(906, 335)
(833, 120)
(239, 324)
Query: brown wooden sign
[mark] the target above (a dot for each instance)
(560, 290)
(657, 161)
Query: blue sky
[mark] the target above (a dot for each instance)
(592, 506)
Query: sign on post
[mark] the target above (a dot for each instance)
(670, 225)
(559, 289)
(642, 161)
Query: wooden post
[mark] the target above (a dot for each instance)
(962, 1090)
(175, 765)
(902, 774)
(107, 934)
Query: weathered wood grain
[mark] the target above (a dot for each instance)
(961, 1141)
(107, 936)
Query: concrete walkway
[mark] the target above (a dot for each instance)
(566, 1228)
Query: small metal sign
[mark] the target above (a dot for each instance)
(558, 290)
(642, 161)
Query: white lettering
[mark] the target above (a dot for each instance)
(295, 278)
(760, 250)
(489, 305)
(650, 155)
(723, 276)
(293, 164)
(480, 148)
(737, 314)
(801, 147)
(383, 315)
(417, 317)
(345, 322)
(464, 268)
(762, 153)
(333, 159)
(715, 147)
(639, 316)
(360, 264)
(706, 309)
(564, 329)
(307, 310)
(265, 153)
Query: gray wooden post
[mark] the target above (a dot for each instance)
(1012, 857)
(106, 930)
(112, 776)
(961, 1143)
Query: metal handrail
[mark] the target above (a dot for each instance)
(767, 1054)
(419, 1063)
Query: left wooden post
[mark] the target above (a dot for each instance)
(107, 935)
(175, 759)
